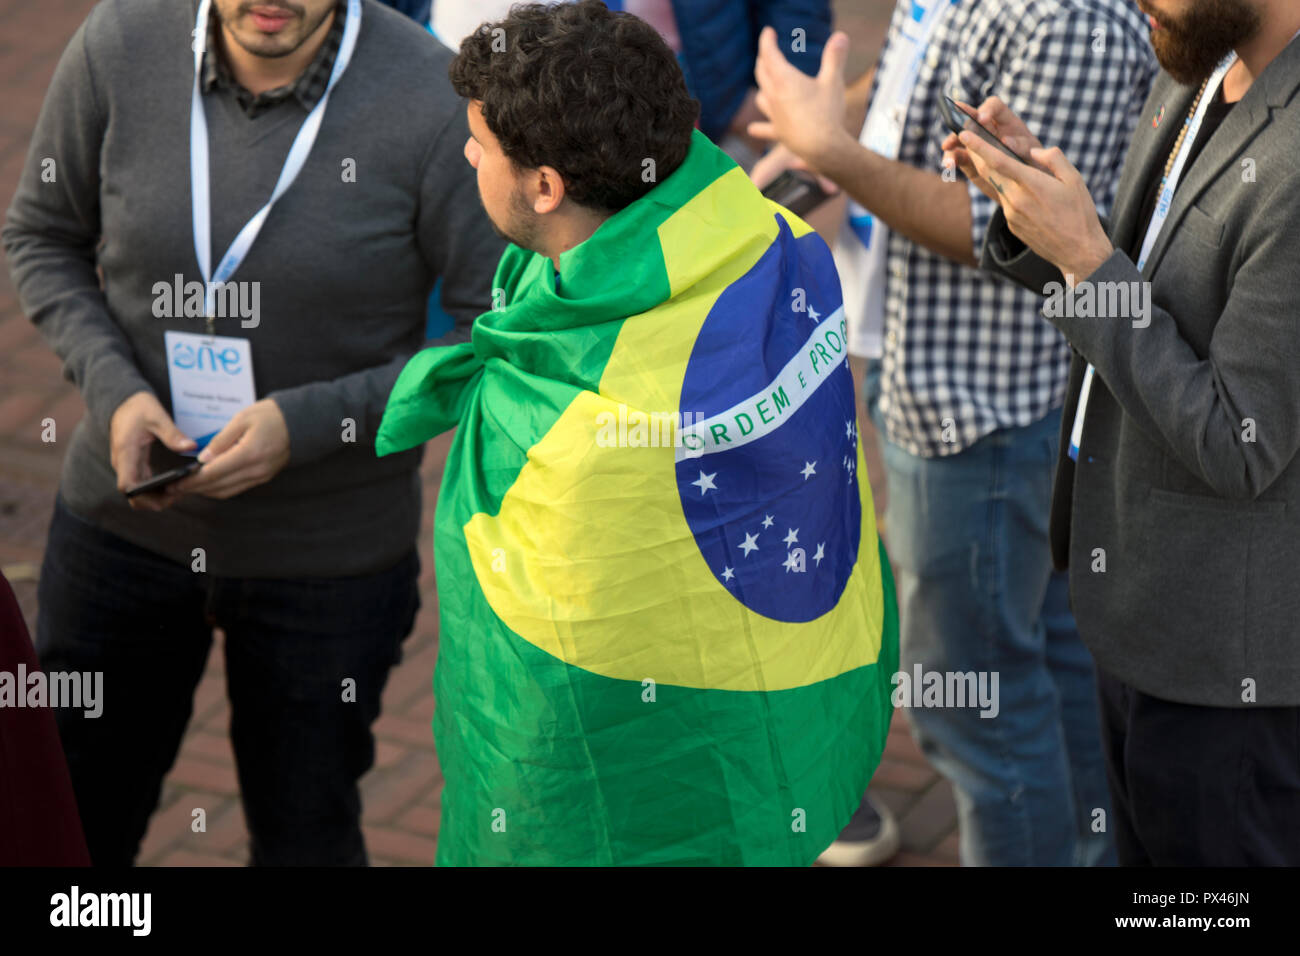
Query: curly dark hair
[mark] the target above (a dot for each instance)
(590, 92)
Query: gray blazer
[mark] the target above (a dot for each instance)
(1181, 522)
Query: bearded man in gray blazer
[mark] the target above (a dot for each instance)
(1177, 500)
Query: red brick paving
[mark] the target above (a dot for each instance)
(402, 793)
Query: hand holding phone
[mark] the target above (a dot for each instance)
(959, 121)
(139, 428)
(796, 190)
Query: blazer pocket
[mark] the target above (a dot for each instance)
(1201, 225)
(1217, 505)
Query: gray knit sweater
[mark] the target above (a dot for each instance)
(344, 267)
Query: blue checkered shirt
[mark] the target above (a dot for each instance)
(965, 352)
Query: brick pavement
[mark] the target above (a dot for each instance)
(402, 792)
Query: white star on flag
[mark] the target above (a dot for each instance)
(813, 313)
(749, 544)
(705, 482)
(809, 469)
(767, 521)
(821, 553)
(790, 562)
(728, 574)
(792, 536)
(848, 430)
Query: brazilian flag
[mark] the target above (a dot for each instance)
(667, 624)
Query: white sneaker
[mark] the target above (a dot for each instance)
(871, 838)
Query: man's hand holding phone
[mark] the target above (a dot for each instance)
(135, 425)
(1045, 200)
(249, 451)
(776, 161)
(996, 117)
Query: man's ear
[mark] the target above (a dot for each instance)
(550, 190)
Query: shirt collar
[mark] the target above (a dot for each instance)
(307, 89)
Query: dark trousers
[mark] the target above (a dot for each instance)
(1200, 786)
(301, 740)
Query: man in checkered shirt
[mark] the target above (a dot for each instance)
(968, 392)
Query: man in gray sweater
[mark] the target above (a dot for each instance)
(290, 180)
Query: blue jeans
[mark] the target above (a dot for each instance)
(301, 742)
(968, 537)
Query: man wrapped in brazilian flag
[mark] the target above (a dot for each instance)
(667, 624)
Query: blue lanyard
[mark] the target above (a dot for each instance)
(200, 198)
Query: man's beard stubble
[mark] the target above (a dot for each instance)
(308, 29)
(522, 228)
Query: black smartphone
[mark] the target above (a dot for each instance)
(958, 120)
(796, 190)
(164, 479)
